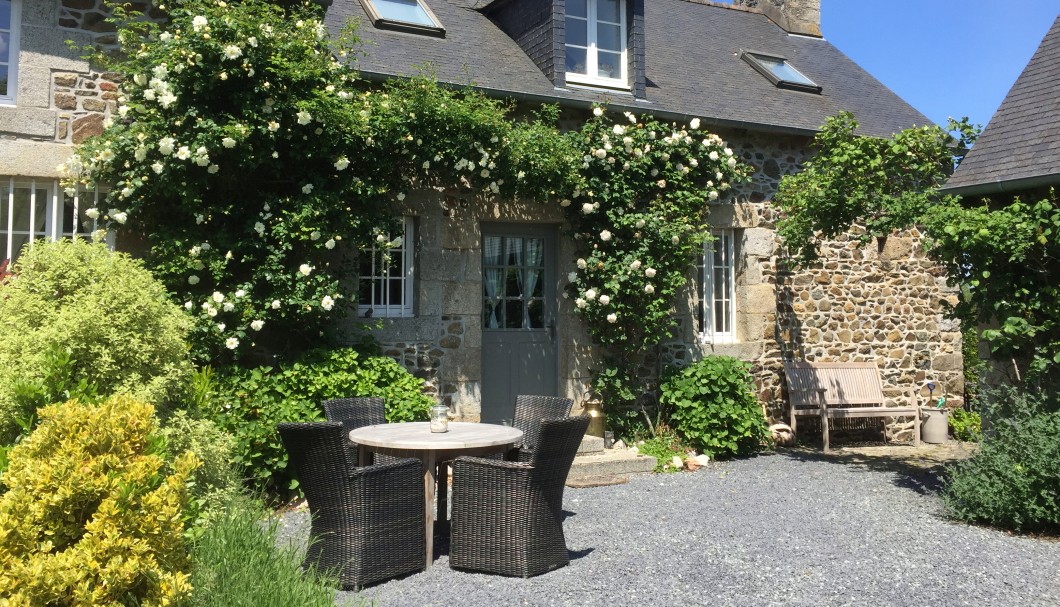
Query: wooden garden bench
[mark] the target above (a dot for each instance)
(842, 390)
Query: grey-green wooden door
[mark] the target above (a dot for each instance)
(519, 353)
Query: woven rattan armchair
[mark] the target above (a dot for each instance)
(367, 522)
(529, 411)
(355, 413)
(507, 517)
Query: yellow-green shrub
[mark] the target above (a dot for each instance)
(88, 519)
(104, 311)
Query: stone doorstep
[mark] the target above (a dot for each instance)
(591, 444)
(611, 462)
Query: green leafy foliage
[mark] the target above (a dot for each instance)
(883, 185)
(1001, 257)
(966, 426)
(239, 561)
(664, 446)
(216, 481)
(714, 408)
(249, 403)
(1011, 482)
(89, 517)
(79, 320)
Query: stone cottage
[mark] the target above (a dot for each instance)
(761, 77)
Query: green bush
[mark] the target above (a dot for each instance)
(967, 426)
(103, 311)
(237, 562)
(249, 403)
(714, 407)
(663, 447)
(216, 481)
(1012, 481)
(89, 519)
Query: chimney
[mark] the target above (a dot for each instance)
(794, 16)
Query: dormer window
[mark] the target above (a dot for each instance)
(408, 15)
(596, 43)
(780, 72)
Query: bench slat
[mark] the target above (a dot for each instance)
(828, 390)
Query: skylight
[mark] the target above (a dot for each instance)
(780, 72)
(408, 15)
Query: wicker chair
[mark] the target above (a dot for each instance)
(356, 413)
(507, 517)
(367, 522)
(529, 411)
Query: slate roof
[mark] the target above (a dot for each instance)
(692, 63)
(1020, 147)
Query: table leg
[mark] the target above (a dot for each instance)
(430, 467)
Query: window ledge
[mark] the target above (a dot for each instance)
(588, 82)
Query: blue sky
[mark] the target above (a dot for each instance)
(945, 57)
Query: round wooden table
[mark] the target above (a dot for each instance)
(434, 449)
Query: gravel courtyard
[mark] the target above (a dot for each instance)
(792, 528)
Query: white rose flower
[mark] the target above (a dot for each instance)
(604, 300)
(601, 153)
(728, 151)
(675, 239)
(661, 183)
(184, 153)
(588, 208)
(92, 213)
(228, 142)
(598, 111)
(239, 292)
(120, 217)
(198, 23)
(342, 163)
(304, 117)
(649, 289)
(187, 305)
(275, 305)
(590, 294)
(640, 223)
(580, 303)
(232, 52)
(731, 162)
(166, 145)
(259, 228)
(193, 280)
(217, 296)
(635, 265)
(330, 244)
(605, 235)
(158, 167)
(232, 343)
(140, 79)
(229, 306)
(713, 155)
(619, 130)
(305, 269)
(581, 264)
(314, 235)
(221, 326)
(274, 126)
(612, 318)
(327, 303)
(400, 196)
(713, 195)
(257, 324)
(307, 188)
(694, 124)
(649, 272)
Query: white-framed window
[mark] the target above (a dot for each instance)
(10, 24)
(33, 209)
(384, 278)
(717, 279)
(596, 42)
(409, 15)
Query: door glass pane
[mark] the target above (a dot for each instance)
(607, 10)
(577, 8)
(491, 251)
(491, 314)
(5, 14)
(513, 314)
(577, 32)
(609, 65)
(576, 62)
(608, 37)
(535, 251)
(514, 251)
(512, 284)
(535, 310)
(534, 284)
